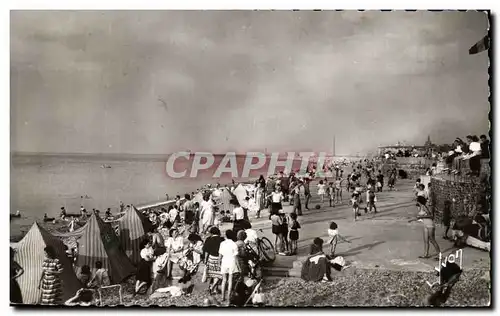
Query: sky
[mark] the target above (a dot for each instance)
(156, 82)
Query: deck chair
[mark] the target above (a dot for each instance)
(255, 291)
(114, 286)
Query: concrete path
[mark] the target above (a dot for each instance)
(383, 240)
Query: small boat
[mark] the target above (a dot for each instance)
(106, 166)
(16, 215)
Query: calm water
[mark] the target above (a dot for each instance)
(43, 183)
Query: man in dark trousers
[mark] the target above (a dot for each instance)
(307, 192)
(285, 186)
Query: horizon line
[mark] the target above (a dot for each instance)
(44, 153)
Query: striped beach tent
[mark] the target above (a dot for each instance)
(133, 227)
(30, 255)
(100, 243)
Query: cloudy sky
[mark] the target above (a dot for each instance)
(155, 82)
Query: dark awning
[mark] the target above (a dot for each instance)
(482, 45)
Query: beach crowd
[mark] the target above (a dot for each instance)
(210, 232)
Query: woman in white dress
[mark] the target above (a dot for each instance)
(228, 252)
(206, 214)
(174, 248)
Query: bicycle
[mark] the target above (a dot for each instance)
(263, 250)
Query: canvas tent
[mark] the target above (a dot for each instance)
(133, 227)
(225, 198)
(30, 255)
(198, 197)
(100, 243)
(241, 193)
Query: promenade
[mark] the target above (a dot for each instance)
(383, 241)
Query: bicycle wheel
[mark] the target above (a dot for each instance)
(266, 248)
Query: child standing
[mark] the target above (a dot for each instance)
(331, 194)
(333, 233)
(355, 200)
(421, 197)
(338, 190)
(294, 233)
(321, 190)
(284, 232)
(276, 229)
(371, 198)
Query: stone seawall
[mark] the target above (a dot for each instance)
(463, 193)
(413, 166)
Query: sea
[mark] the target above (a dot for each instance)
(43, 183)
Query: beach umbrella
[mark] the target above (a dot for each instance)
(481, 46)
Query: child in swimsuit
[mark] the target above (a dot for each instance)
(355, 200)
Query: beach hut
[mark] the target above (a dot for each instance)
(99, 242)
(133, 227)
(30, 255)
(241, 193)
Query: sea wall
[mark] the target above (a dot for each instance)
(464, 194)
(413, 166)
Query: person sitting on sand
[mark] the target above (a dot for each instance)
(83, 297)
(84, 276)
(316, 267)
(100, 278)
(143, 275)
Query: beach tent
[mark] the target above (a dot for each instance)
(100, 243)
(225, 199)
(198, 197)
(133, 227)
(30, 255)
(241, 193)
